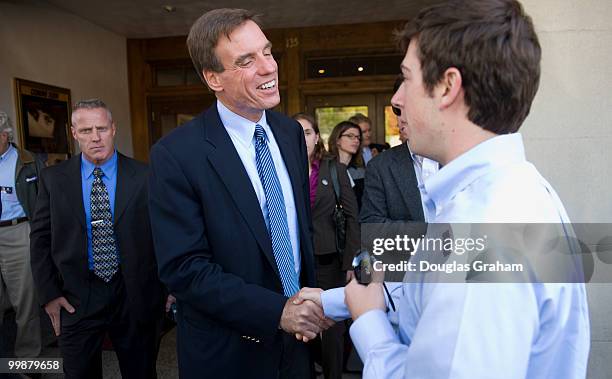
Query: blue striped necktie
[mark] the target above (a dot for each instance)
(277, 216)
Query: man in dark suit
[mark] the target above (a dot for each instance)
(391, 192)
(92, 252)
(230, 214)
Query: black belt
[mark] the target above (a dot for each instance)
(12, 222)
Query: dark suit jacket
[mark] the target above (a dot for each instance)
(58, 239)
(391, 192)
(214, 250)
(322, 214)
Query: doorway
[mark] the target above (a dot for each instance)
(169, 112)
(329, 110)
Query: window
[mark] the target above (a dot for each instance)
(328, 117)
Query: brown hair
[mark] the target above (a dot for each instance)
(493, 44)
(358, 118)
(206, 31)
(319, 150)
(356, 159)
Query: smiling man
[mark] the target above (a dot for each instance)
(229, 200)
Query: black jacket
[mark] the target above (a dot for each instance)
(391, 191)
(58, 240)
(27, 174)
(322, 214)
(214, 251)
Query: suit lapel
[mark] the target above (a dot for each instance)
(294, 168)
(405, 177)
(74, 188)
(226, 162)
(126, 186)
(287, 152)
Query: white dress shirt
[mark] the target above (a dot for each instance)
(241, 132)
(480, 330)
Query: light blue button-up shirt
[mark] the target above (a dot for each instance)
(366, 154)
(109, 168)
(479, 330)
(423, 169)
(241, 132)
(11, 208)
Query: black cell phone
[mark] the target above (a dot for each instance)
(363, 267)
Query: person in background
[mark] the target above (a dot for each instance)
(365, 124)
(19, 177)
(92, 252)
(332, 263)
(344, 145)
(378, 148)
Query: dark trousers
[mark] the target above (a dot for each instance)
(106, 311)
(330, 275)
(295, 359)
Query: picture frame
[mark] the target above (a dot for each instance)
(43, 119)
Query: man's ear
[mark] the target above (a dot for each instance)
(213, 79)
(450, 87)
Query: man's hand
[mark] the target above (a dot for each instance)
(311, 295)
(350, 275)
(169, 301)
(360, 299)
(53, 309)
(304, 318)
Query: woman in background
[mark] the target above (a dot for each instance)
(344, 143)
(333, 267)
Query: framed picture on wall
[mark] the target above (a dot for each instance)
(43, 119)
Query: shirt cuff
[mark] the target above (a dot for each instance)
(332, 301)
(370, 329)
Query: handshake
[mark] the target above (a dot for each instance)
(303, 315)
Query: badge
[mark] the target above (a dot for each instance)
(324, 181)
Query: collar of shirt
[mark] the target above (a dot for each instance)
(469, 166)
(415, 157)
(109, 168)
(7, 152)
(422, 162)
(240, 127)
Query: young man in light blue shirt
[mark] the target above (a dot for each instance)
(471, 71)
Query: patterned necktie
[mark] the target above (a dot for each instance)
(277, 216)
(103, 243)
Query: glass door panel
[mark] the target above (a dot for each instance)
(328, 117)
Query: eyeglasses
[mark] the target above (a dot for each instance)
(351, 136)
(396, 111)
